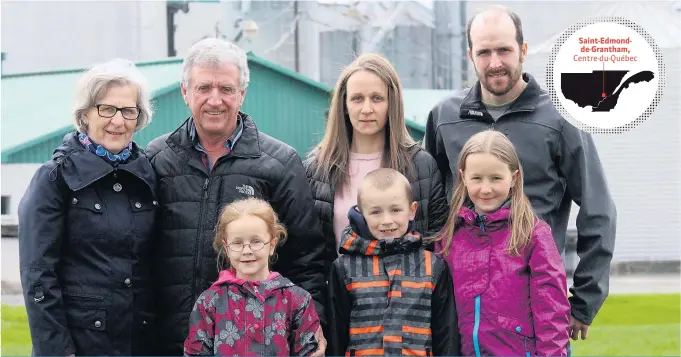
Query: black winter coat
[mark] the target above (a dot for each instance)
(427, 189)
(191, 198)
(85, 232)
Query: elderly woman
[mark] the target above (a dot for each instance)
(85, 226)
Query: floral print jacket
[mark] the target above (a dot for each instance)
(235, 317)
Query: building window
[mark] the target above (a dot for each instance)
(4, 205)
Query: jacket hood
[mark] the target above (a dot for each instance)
(80, 167)
(356, 239)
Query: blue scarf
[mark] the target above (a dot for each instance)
(99, 150)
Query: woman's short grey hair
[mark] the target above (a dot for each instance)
(93, 85)
(214, 53)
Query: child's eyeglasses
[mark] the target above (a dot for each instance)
(254, 245)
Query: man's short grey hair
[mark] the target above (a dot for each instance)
(214, 53)
(93, 85)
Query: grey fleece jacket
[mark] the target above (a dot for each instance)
(560, 165)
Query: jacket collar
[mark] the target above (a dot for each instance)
(469, 216)
(473, 108)
(228, 276)
(248, 145)
(80, 167)
(356, 239)
(260, 289)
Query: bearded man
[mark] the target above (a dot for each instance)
(560, 162)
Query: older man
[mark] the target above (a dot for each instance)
(560, 162)
(215, 157)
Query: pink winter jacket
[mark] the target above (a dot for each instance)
(508, 305)
(235, 317)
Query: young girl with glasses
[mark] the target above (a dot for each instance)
(251, 310)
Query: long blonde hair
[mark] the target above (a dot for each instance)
(237, 209)
(522, 217)
(331, 156)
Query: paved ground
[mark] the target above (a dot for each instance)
(633, 284)
(644, 284)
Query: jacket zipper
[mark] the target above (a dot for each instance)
(527, 352)
(198, 246)
(199, 235)
(476, 326)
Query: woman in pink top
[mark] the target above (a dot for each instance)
(366, 130)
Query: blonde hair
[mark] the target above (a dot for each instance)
(246, 207)
(332, 154)
(521, 222)
(383, 179)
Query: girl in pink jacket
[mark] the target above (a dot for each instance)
(249, 310)
(509, 280)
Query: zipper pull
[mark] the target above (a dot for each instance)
(205, 189)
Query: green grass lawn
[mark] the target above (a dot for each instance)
(634, 325)
(627, 325)
(15, 339)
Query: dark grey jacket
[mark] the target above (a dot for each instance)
(560, 164)
(427, 188)
(85, 243)
(191, 198)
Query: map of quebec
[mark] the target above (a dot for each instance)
(586, 89)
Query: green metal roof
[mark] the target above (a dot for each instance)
(37, 105)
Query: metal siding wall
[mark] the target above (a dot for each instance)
(336, 52)
(645, 157)
(410, 52)
(286, 109)
(38, 153)
(169, 112)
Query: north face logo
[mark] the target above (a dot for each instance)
(246, 189)
(475, 112)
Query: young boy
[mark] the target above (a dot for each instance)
(388, 295)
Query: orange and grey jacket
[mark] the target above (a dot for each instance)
(390, 297)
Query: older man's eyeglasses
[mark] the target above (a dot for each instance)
(254, 245)
(108, 111)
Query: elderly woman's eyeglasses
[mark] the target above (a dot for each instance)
(108, 111)
(254, 245)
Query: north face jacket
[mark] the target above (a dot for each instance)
(191, 198)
